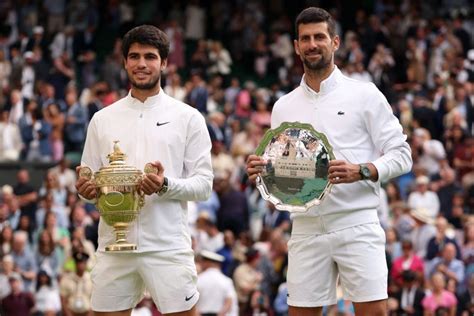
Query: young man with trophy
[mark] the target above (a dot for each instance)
(144, 240)
(336, 233)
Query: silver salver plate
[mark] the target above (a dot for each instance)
(295, 177)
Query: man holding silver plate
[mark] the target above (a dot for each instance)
(333, 141)
(144, 240)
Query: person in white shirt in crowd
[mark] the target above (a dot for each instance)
(370, 148)
(210, 238)
(430, 151)
(423, 231)
(152, 128)
(66, 176)
(422, 197)
(10, 139)
(218, 296)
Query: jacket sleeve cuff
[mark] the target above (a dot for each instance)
(93, 201)
(381, 170)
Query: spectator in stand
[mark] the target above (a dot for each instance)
(467, 248)
(466, 298)
(247, 279)
(57, 120)
(24, 259)
(6, 271)
(213, 239)
(60, 235)
(10, 139)
(393, 246)
(48, 204)
(448, 265)
(437, 243)
(19, 302)
(27, 195)
(226, 251)
(51, 186)
(198, 95)
(76, 123)
(217, 292)
(411, 295)
(76, 288)
(439, 297)
(16, 109)
(233, 213)
(174, 88)
(47, 300)
(6, 240)
(35, 132)
(446, 188)
(66, 176)
(430, 151)
(424, 198)
(408, 261)
(48, 258)
(423, 231)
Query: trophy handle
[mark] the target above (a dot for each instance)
(85, 172)
(149, 168)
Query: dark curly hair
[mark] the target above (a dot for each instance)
(315, 15)
(146, 35)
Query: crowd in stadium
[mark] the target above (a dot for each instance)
(61, 61)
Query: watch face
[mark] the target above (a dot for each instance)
(365, 172)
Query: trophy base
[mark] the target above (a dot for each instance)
(120, 247)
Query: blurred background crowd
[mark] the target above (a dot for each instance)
(60, 62)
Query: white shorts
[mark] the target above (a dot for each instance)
(119, 280)
(355, 254)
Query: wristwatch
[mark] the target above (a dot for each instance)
(164, 187)
(364, 171)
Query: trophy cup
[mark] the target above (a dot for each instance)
(295, 177)
(119, 198)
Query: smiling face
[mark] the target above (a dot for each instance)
(315, 46)
(144, 65)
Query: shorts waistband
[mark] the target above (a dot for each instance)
(322, 224)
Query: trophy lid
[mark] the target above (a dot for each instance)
(117, 163)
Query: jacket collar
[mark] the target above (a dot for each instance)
(327, 84)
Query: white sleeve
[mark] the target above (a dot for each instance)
(196, 185)
(90, 158)
(388, 138)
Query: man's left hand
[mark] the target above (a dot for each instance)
(152, 182)
(341, 171)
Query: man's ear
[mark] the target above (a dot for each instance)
(336, 42)
(295, 45)
(164, 63)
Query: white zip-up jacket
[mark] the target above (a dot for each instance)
(163, 129)
(360, 126)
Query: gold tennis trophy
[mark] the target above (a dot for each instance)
(119, 198)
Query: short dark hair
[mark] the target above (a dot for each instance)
(146, 35)
(316, 15)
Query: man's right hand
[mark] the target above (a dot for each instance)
(255, 166)
(85, 187)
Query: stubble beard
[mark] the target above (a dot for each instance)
(150, 85)
(318, 66)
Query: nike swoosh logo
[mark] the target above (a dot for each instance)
(159, 124)
(188, 298)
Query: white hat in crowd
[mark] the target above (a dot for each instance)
(422, 180)
(212, 256)
(422, 214)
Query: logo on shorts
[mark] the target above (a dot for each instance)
(188, 298)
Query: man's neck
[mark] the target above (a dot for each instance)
(313, 78)
(142, 94)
